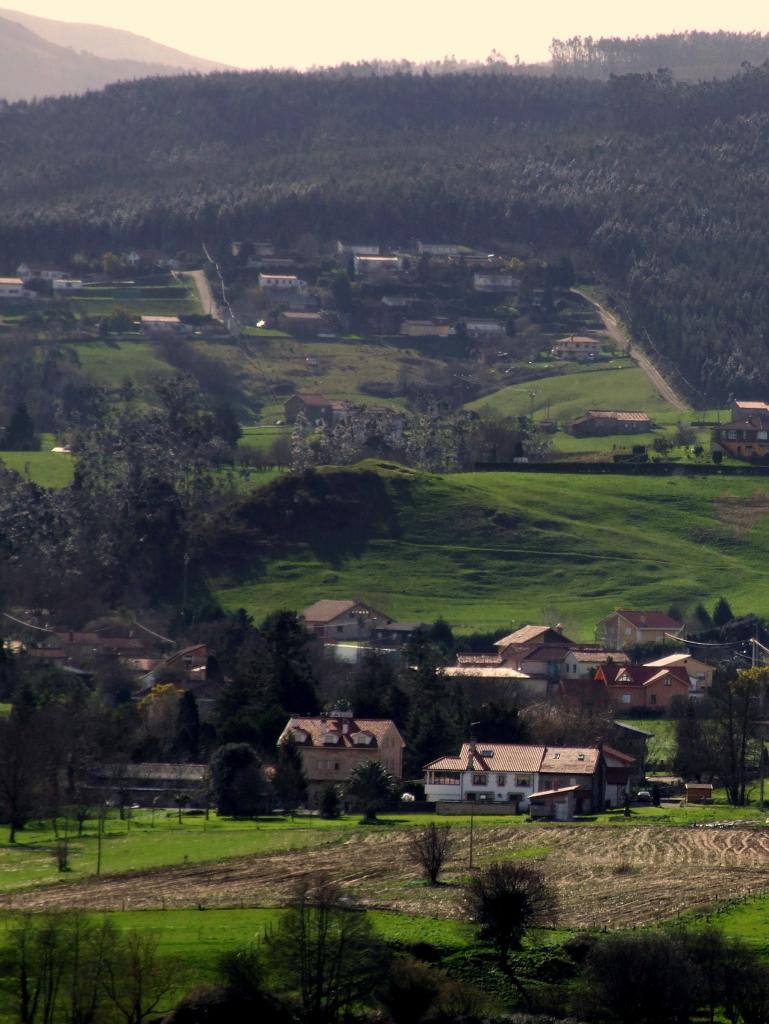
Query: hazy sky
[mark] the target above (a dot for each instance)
(280, 33)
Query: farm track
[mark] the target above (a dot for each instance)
(615, 877)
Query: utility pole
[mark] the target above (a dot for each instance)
(99, 828)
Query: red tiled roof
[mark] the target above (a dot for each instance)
(529, 634)
(650, 620)
(327, 610)
(641, 675)
(316, 726)
(589, 656)
(570, 760)
(545, 793)
(479, 659)
(505, 757)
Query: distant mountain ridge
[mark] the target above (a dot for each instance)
(40, 57)
(109, 43)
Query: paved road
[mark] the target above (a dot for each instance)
(623, 339)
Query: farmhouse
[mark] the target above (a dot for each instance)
(523, 641)
(437, 327)
(67, 284)
(163, 326)
(12, 288)
(306, 324)
(746, 436)
(317, 409)
(623, 629)
(491, 281)
(580, 350)
(483, 328)
(342, 620)
(281, 282)
(374, 266)
(438, 249)
(354, 249)
(511, 773)
(600, 423)
(332, 745)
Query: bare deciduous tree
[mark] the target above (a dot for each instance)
(430, 848)
(505, 899)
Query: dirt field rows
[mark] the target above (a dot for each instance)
(604, 876)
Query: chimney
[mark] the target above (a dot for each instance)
(471, 755)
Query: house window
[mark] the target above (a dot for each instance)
(336, 766)
(340, 629)
(652, 698)
(732, 435)
(445, 778)
(523, 780)
(501, 780)
(480, 780)
(668, 681)
(626, 698)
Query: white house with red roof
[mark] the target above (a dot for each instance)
(512, 773)
(623, 629)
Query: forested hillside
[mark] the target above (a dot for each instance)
(656, 187)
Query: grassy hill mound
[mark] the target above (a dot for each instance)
(487, 549)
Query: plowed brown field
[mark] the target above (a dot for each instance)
(604, 876)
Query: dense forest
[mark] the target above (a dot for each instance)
(656, 187)
(690, 55)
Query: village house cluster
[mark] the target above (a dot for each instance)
(534, 663)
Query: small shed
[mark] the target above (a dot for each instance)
(556, 804)
(697, 792)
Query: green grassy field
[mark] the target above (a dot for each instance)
(137, 844)
(111, 363)
(45, 467)
(618, 384)
(486, 550)
(661, 748)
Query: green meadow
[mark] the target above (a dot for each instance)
(489, 550)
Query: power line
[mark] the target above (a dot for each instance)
(27, 625)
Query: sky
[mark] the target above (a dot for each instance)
(302, 33)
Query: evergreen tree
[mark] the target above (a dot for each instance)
(722, 613)
(19, 435)
(187, 741)
(289, 780)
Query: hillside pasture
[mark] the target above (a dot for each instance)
(487, 550)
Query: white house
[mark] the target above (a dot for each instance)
(624, 628)
(511, 773)
(482, 328)
(346, 249)
(490, 281)
(370, 266)
(12, 288)
(580, 350)
(66, 284)
(162, 326)
(27, 273)
(281, 282)
(438, 249)
(583, 663)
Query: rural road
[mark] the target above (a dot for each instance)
(616, 331)
(207, 301)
